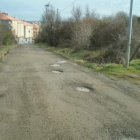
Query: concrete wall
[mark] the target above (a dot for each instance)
(14, 25)
(20, 30)
(35, 32)
(28, 31)
(21, 40)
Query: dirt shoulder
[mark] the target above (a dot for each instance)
(86, 58)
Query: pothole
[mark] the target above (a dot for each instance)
(83, 89)
(55, 65)
(61, 62)
(129, 138)
(57, 71)
(2, 95)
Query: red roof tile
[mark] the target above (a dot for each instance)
(35, 25)
(5, 16)
(26, 23)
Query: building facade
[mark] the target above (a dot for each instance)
(9, 22)
(28, 32)
(23, 31)
(35, 30)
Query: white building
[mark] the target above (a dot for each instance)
(22, 30)
(9, 22)
(28, 31)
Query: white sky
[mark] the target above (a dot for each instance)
(33, 9)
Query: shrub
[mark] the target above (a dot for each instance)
(81, 35)
(88, 31)
(111, 56)
(6, 36)
(109, 30)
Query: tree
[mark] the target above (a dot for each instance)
(49, 25)
(6, 35)
(83, 28)
(76, 13)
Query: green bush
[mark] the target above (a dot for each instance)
(6, 36)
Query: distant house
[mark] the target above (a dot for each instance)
(9, 22)
(35, 30)
(22, 30)
(28, 31)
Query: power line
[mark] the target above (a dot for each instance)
(47, 5)
(50, 2)
(68, 5)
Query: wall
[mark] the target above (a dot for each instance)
(27, 29)
(20, 30)
(14, 25)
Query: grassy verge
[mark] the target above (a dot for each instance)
(84, 57)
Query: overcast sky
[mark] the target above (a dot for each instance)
(31, 10)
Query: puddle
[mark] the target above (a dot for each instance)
(57, 71)
(129, 139)
(131, 136)
(2, 95)
(61, 62)
(83, 89)
(55, 65)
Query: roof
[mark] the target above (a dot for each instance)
(35, 25)
(5, 16)
(26, 23)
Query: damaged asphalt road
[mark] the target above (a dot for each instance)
(42, 98)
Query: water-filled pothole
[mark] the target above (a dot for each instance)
(2, 95)
(130, 138)
(55, 65)
(83, 89)
(57, 71)
(61, 62)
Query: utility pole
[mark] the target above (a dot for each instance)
(129, 35)
(47, 6)
(57, 14)
(46, 22)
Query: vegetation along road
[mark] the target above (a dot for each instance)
(45, 97)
